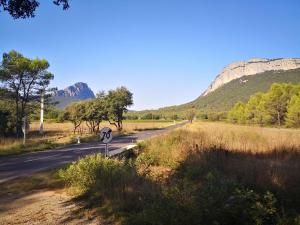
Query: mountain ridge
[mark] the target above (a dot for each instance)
(252, 66)
(76, 92)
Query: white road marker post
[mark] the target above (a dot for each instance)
(106, 137)
(24, 130)
(42, 114)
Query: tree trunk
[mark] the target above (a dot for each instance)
(278, 118)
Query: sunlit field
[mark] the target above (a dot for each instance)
(246, 138)
(62, 133)
(204, 173)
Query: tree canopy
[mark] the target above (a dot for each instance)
(22, 81)
(109, 106)
(26, 8)
(279, 106)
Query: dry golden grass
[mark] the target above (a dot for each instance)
(264, 158)
(62, 133)
(246, 138)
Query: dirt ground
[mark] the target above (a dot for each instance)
(43, 207)
(42, 199)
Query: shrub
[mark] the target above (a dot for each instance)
(96, 172)
(225, 202)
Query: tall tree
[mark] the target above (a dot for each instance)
(293, 112)
(94, 113)
(26, 8)
(190, 115)
(277, 99)
(255, 109)
(24, 79)
(117, 103)
(237, 113)
(75, 113)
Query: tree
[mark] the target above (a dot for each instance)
(293, 112)
(94, 113)
(75, 113)
(117, 103)
(237, 113)
(277, 99)
(26, 8)
(24, 79)
(255, 110)
(190, 115)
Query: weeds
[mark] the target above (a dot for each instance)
(197, 176)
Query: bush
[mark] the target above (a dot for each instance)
(224, 202)
(97, 173)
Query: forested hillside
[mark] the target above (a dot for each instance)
(241, 89)
(225, 97)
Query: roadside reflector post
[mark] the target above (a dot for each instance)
(78, 139)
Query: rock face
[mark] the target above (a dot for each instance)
(251, 67)
(79, 90)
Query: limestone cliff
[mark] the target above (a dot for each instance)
(251, 67)
(79, 90)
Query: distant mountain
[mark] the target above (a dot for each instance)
(224, 97)
(78, 91)
(251, 67)
(237, 82)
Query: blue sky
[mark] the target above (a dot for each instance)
(165, 51)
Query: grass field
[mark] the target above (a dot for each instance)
(57, 134)
(205, 173)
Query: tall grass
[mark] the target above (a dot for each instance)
(206, 173)
(62, 133)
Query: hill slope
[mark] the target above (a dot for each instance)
(241, 89)
(223, 98)
(251, 67)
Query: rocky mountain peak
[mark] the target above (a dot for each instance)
(79, 90)
(251, 67)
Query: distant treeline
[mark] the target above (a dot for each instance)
(279, 106)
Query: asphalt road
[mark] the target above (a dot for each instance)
(26, 164)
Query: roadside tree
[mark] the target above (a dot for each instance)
(23, 79)
(117, 102)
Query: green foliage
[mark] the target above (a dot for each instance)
(276, 101)
(150, 116)
(225, 97)
(94, 113)
(7, 124)
(237, 113)
(216, 116)
(277, 106)
(111, 107)
(255, 109)
(190, 115)
(75, 113)
(97, 173)
(117, 102)
(24, 79)
(26, 8)
(224, 202)
(293, 112)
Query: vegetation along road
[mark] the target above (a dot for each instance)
(27, 164)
